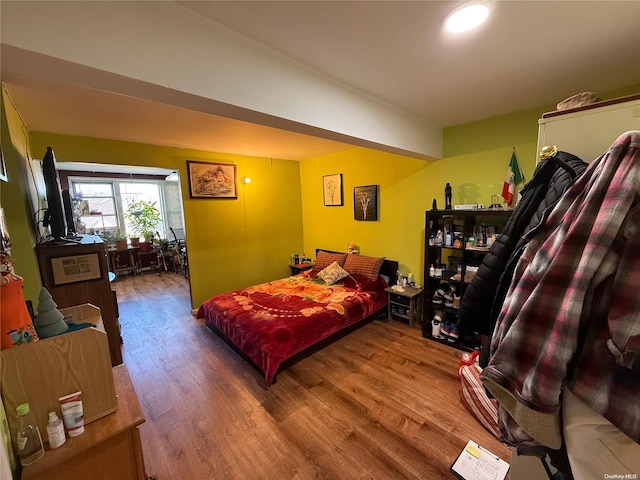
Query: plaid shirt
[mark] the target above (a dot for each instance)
(573, 308)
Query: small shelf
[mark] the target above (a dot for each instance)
(410, 300)
(457, 344)
(478, 249)
(448, 247)
(462, 261)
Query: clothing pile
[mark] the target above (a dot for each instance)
(565, 312)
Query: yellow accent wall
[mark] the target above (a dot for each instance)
(231, 243)
(402, 202)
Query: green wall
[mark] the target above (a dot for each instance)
(231, 243)
(15, 200)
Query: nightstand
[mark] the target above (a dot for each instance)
(296, 268)
(406, 304)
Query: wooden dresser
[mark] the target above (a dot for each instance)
(78, 272)
(109, 448)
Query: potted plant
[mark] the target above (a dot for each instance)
(121, 241)
(144, 218)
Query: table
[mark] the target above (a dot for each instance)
(296, 268)
(109, 447)
(123, 260)
(405, 304)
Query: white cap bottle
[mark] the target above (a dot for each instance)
(55, 431)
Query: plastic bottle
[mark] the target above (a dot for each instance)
(55, 431)
(30, 448)
(432, 271)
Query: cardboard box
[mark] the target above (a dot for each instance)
(39, 373)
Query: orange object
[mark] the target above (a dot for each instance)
(15, 322)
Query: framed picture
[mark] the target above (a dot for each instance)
(365, 203)
(75, 268)
(212, 180)
(332, 190)
(3, 167)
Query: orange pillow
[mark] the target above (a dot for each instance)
(324, 259)
(367, 266)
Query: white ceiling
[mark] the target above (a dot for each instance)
(530, 54)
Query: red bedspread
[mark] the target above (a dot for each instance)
(273, 321)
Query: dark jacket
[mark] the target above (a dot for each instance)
(483, 298)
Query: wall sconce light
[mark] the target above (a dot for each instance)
(245, 180)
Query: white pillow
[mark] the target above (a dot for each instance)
(332, 273)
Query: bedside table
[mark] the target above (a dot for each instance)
(407, 304)
(296, 268)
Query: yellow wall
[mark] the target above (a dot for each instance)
(232, 243)
(476, 157)
(407, 188)
(401, 204)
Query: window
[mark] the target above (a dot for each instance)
(131, 192)
(95, 206)
(101, 204)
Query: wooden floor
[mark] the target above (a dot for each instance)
(379, 403)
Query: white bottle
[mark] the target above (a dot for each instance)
(438, 240)
(432, 271)
(55, 431)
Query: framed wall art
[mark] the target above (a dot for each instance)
(332, 190)
(212, 180)
(75, 268)
(365, 203)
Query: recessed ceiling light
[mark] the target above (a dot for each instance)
(467, 17)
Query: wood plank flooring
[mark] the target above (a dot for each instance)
(379, 403)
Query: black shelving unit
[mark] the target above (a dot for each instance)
(471, 233)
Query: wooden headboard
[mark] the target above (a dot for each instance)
(389, 267)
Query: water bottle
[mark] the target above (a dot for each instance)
(30, 448)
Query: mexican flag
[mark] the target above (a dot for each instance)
(513, 178)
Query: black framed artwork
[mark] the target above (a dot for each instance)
(365, 203)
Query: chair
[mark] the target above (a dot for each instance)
(171, 255)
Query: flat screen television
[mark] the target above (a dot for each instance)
(54, 216)
(68, 212)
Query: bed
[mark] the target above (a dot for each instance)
(273, 322)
